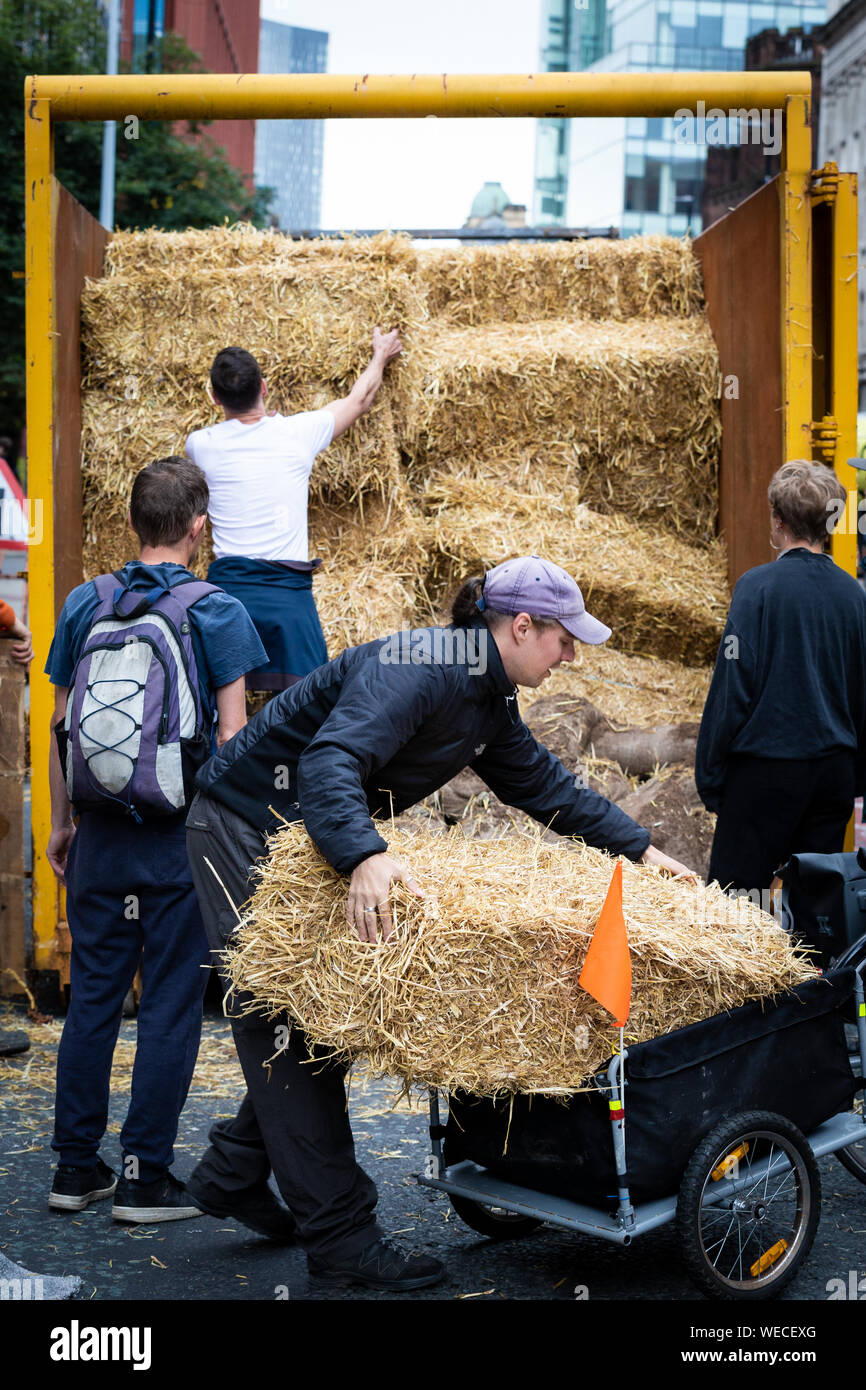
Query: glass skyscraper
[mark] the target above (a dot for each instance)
(631, 172)
(289, 153)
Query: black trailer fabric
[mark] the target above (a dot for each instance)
(788, 1056)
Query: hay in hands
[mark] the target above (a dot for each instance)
(660, 597)
(638, 277)
(627, 413)
(478, 988)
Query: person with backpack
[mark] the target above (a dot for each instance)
(143, 660)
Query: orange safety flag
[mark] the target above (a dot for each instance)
(606, 973)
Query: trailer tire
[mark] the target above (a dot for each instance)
(493, 1222)
(751, 1244)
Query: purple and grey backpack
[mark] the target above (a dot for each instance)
(134, 728)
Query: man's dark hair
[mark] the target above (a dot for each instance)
(236, 378)
(167, 496)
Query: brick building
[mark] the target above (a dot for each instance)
(734, 172)
(224, 33)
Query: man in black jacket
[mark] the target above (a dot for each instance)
(371, 733)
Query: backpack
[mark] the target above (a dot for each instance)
(824, 901)
(134, 734)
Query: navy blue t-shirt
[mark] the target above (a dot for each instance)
(224, 640)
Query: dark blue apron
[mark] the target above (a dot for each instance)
(278, 595)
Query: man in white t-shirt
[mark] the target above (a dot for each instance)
(257, 465)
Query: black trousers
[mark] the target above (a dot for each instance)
(293, 1119)
(773, 808)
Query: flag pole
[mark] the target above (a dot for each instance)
(616, 1078)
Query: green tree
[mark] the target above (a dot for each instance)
(172, 176)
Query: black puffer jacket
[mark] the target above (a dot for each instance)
(384, 725)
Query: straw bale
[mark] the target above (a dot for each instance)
(308, 321)
(478, 987)
(626, 412)
(372, 579)
(642, 276)
(629, 690)
(219, 248)
(660, 597)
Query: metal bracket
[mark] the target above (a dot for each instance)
(825, 183)
(825, 436)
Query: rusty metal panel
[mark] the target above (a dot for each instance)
(81, 241)
(740, 259)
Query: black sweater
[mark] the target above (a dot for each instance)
(386, 724)
(790, 675)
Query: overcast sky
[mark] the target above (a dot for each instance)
(420, 173)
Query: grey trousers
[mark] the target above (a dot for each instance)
(293, 1119)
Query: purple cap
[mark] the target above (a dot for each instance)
(543, 590)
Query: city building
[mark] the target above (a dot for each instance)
(643, 174)
(289, 153)
(734, 172)
(493, 209)
(225, 35)
(842, 125)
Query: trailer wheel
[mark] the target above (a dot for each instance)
(748, 1207)
(494, 1222)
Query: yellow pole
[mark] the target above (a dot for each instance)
(843, 360)
(319, 95)
(39, 271)
(795, 221)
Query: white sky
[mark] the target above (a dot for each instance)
(420, 173)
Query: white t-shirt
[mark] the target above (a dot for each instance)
(258, 477)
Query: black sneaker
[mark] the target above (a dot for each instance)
(380, 1266)
(141, 1203)
(256, 1208)
(74, 1188)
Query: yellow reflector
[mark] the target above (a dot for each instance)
(769, 1258)
(729, 1162)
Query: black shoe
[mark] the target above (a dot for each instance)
(381, 1266)
(254, 1207)
(13, 1041)
(74, 1188)
(142, 1203)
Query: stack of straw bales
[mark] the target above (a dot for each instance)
(554, 398)
(478, 989)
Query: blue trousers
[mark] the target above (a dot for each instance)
(129, 899)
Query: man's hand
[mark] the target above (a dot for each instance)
(58, 850)
(370, 894)
(651, 855)
(386, 345)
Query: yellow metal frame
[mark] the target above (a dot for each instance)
(210, 96)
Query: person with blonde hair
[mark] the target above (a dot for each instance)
(780, 753)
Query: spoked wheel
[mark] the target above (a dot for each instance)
(748, 1207)
(491, 1221)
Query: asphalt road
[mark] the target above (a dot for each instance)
(206, 1259)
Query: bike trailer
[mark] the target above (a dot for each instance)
(787, 1055)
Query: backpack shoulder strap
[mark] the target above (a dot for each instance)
(189, 591)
